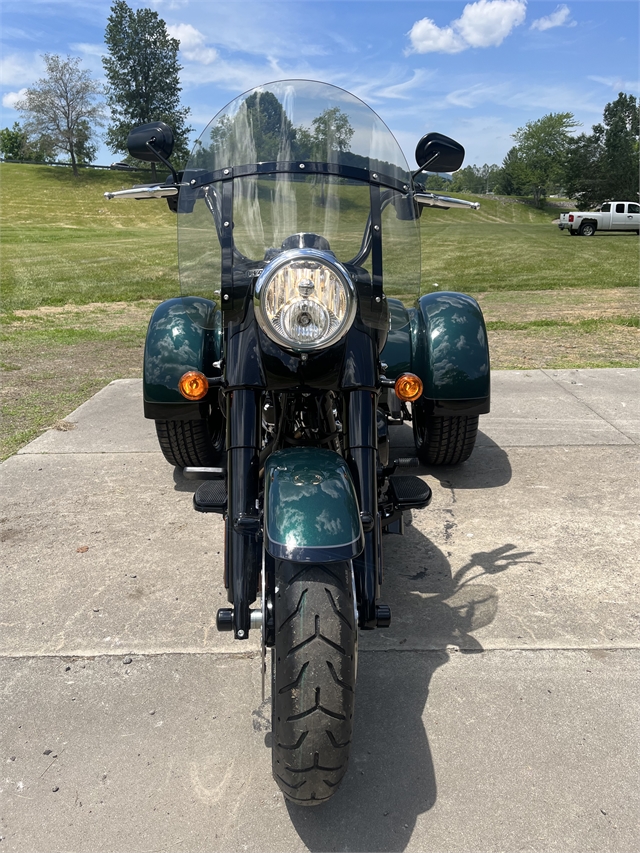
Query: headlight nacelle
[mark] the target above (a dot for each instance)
(304, 300)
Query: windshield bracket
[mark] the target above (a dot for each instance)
(376, 243)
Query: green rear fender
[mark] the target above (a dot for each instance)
(311, 510)
(175, 344)
(450, 348)
(443, 339)
(397, 350)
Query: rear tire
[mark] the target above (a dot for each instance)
(314, 675)
(191, 443)
(443, 441)
(587, 229)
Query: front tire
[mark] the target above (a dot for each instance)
(443, 441)
(313, 692)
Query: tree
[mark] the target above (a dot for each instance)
(604, 164)
(271, 130)
(62, 110)
(584, 170)
(514, 177)
(142, 73)
(475, 179)
(542, 147)
(436, 183)
(621, 121)
(332, 131)
(13, 142)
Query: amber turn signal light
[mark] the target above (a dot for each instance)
(408, 387)
(193, 385)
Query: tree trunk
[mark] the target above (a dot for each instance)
(74, 165)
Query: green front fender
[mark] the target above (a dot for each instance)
(175, 344)
(311, 510)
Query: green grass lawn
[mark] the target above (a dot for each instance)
(63, 242)
(550, 300)
(509, 245)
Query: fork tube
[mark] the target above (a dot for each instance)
(362, 437)
(243, 552)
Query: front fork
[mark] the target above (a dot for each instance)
(243, 552)
(361, 444)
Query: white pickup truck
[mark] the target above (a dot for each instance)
(610, 216)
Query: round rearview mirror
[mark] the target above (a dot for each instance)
(439, 153)
(151, 142)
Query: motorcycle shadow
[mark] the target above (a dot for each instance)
(488, 467)
(392, 777)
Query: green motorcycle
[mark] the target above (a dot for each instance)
(298, 338)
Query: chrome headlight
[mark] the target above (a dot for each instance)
(304, 300)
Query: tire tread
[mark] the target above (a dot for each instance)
(314, 684)
(186, 443)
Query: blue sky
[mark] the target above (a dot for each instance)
(476, 71)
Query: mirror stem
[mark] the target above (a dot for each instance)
(162, 159)
(424, 166)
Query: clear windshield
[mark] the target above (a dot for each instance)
(290, 123)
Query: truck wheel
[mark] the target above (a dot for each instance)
(443, 441)
(587, 229)
(192, 443)
(314, 677)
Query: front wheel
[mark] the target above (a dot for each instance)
(443, 441)
(314, 676)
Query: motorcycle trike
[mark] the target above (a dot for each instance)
(298, 338)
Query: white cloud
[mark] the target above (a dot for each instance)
(488, 22)
(560, 18)
(617, 83)
(485, 23)
(9, 100)
(17, 69)
(192, 44)
(88, 49)
(427, 37)
(401, 91)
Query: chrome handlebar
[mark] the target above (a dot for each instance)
(150, 191)
(444, 202)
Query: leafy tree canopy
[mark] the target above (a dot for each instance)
(62, 111)
(604, 164)
(542, 147)
(142, 73)
(475, 179)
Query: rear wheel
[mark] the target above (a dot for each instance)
(192, 443)
(443, 441)
(587, 229)
(314, 675)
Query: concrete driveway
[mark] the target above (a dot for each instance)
(498, 713)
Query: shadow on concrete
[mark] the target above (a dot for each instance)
(392, 778)
(488, 467)
(181, 484)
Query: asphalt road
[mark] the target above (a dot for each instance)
(499, 712)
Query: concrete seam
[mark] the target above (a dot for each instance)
(583, 403)
(256, 654)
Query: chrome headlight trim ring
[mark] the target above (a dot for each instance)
(318, 309)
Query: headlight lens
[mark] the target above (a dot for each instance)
(304, 300)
